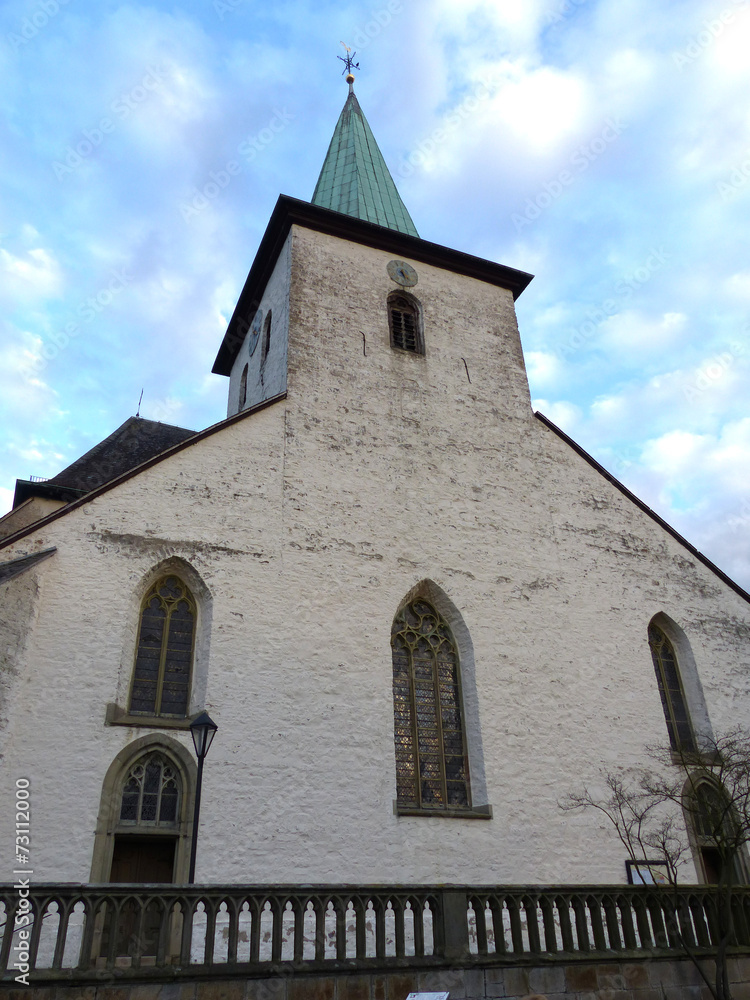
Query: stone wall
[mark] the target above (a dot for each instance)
(667, 979)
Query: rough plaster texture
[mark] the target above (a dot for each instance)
(307, 524)
(615, 980)
(265, 378)
(27, 513)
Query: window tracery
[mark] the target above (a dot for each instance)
(151, 793)
(432, 770)
(164, 657)
(670, 690)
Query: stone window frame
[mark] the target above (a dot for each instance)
(265, 343)
(479, 808)
(118, 712)
(243, 387)
(187, 597)
(108, 824)
(692, 690)
(697, 840)
(673, 701)
(415, 307)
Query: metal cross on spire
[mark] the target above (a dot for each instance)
(348, 59)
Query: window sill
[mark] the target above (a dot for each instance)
(477, 812)
(117, 716)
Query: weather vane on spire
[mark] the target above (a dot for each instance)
(349, 60)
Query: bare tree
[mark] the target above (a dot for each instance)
(687, 801)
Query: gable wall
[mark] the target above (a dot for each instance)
(309, 523)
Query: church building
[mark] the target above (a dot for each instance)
(419, 614)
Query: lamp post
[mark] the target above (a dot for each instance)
(203, 729)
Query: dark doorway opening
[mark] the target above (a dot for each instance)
(712, 864)
(143, 859)
(140, 860)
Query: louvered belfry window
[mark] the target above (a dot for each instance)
(670, 690)
(151, 792)
(431, 766)
(161, 679)
(403, 316)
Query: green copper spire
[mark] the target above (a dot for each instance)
(354, 179)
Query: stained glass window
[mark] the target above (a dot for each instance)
(151, 793)
(161, 678)
(432, 770)
(670, 690)
(404, 321)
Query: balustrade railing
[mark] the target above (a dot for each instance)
(72, 932)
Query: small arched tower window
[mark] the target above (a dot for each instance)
(164, 657)
(405, 323)
(243, 388)
(432, 770)
(670, 690)
(266, 339)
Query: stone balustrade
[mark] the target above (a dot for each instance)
(82, 933)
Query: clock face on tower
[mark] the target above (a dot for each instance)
(255, 331)
(402, 273)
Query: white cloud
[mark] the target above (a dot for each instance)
(31, 275)
(632, 335)
(544, 108)
(738, 285)
(566, 415)
(542, 368)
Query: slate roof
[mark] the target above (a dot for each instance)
(133, 443)
(355, 180)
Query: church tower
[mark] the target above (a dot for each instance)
(345, 282)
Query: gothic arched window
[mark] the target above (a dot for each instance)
(717, 838)
(164, 658)
(404, 321)
(151, 793)
(432, 770)
(143, 832)
(670, 690)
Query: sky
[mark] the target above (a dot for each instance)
(602, 145)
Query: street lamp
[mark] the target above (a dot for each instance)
(203, 729)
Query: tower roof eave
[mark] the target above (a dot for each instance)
(292, 211)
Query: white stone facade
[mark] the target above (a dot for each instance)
(305, 526)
